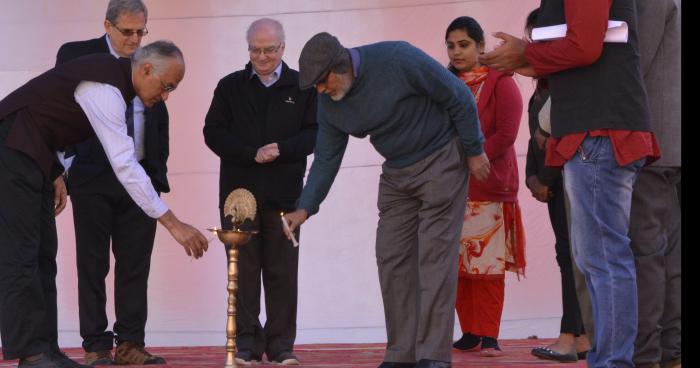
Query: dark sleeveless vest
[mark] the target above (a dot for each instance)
(606, 94)
(47, 116)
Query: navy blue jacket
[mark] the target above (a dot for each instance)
(233, 132)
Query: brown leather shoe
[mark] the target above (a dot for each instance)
(133, 353)
(100, 357)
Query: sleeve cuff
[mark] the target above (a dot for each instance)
(157, 209)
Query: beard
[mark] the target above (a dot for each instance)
(338, 96)
(341, 91)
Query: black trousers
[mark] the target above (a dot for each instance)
(28, 245)
(273, 256)
(571, 321)
(103, 210)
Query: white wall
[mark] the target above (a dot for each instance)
(339, 297)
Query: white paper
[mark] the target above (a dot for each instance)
(617, 32)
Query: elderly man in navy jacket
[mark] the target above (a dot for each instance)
(262, 127)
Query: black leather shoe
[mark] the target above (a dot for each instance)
(396, 365)
(489, 347)
(428, 363)
(246, 357)
(285, 358)
(63, 361)
(547, 353)
(467, 342)
(43, 362)
(582, 355)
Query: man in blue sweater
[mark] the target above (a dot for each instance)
(423, 121)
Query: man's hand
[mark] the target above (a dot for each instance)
(508, 56)
(540, 139)
(526, 71)
(479, 166)
(294, 220)
(540, 191)
(191, 239)
(267, 153)
(60, 195)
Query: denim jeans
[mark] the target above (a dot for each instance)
(600, 194)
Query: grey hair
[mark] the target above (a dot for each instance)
(115, 8)
(158, 54)
(265, 21)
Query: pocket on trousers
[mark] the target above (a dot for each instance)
(593, 148)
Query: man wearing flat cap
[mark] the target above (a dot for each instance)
(424, 122)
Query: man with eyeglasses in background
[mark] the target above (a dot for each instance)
(262, 127)
(103, 210)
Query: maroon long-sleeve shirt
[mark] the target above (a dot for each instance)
(586, 22)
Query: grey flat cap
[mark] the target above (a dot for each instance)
(317, 57)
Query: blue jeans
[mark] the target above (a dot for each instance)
(600, 194)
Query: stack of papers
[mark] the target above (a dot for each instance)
(617, 32)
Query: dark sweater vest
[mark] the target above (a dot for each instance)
(608, 94)
(47, 116)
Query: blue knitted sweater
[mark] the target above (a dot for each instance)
(408, 104)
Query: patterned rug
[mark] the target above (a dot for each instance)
(516, 354)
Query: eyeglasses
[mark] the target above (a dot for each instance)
(166, 88)
(264, 51)
(130, 32)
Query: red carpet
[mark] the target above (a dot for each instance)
(516, 354)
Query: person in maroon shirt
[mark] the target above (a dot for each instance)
(601, 136)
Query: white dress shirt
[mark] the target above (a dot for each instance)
(139, 139)
(105, 108)
(273, 78)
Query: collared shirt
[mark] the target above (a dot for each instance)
(105, 109)
(139, 138)
(273, 78)
(139, 117)
(355, 60)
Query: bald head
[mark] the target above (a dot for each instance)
(266, 46)
(265, 25)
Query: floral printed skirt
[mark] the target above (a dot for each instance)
(492, 240)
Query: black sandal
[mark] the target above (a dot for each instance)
(547, 353)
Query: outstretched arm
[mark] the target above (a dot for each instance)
(105, 109)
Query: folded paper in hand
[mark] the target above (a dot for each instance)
(617, 32)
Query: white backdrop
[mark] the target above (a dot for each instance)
(339, 297)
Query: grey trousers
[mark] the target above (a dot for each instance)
(655, 229)
(421, 210)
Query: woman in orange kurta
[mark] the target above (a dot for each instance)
(492, 240)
